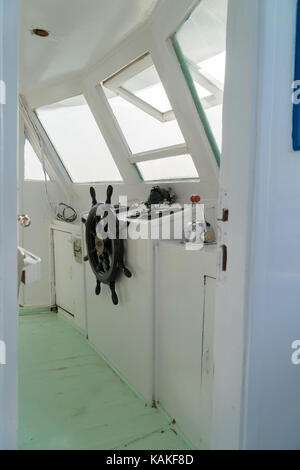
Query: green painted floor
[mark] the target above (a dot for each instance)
(70, 399)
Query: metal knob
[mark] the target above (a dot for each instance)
(24, 220)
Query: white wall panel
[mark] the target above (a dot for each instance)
(34, 202)
(183, 329)
(124, 333)
(69, 273)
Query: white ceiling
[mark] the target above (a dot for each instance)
(82, 31)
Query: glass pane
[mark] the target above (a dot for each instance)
(215, 67)
(33, 168)
(75, 134)
(202, 46)
(147, 86)
(168, 168)
(142, 131)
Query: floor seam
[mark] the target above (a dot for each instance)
(138, 439)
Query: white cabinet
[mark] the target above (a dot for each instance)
(124, 333)
(69, 275)
(160, 336)
(184, 319)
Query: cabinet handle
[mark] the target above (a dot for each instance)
(225, 216)
(224, 258)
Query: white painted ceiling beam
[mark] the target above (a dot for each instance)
(136, 101)
(166, 152)
(108, 126)
(129, 71)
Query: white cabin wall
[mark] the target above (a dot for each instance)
(34, 202)
(273, 407)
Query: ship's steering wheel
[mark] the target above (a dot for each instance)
(105, 254)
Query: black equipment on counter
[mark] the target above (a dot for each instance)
(159, 195)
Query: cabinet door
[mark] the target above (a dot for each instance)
(184, 320)
(180, 303)
(63, 258)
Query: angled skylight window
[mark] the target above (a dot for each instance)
(142, 131)
(147, 86)
(171, 168)
(144, 113)
(78, 141)
(200, 45)
(33, 168)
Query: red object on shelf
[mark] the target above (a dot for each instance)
(195, 199)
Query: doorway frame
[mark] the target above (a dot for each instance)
(237, 189)
(9, 27)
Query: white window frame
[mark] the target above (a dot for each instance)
(154, 38)
(38, 138)
(89, 97)
(210, 84)
(114, 84)
(158, 46)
